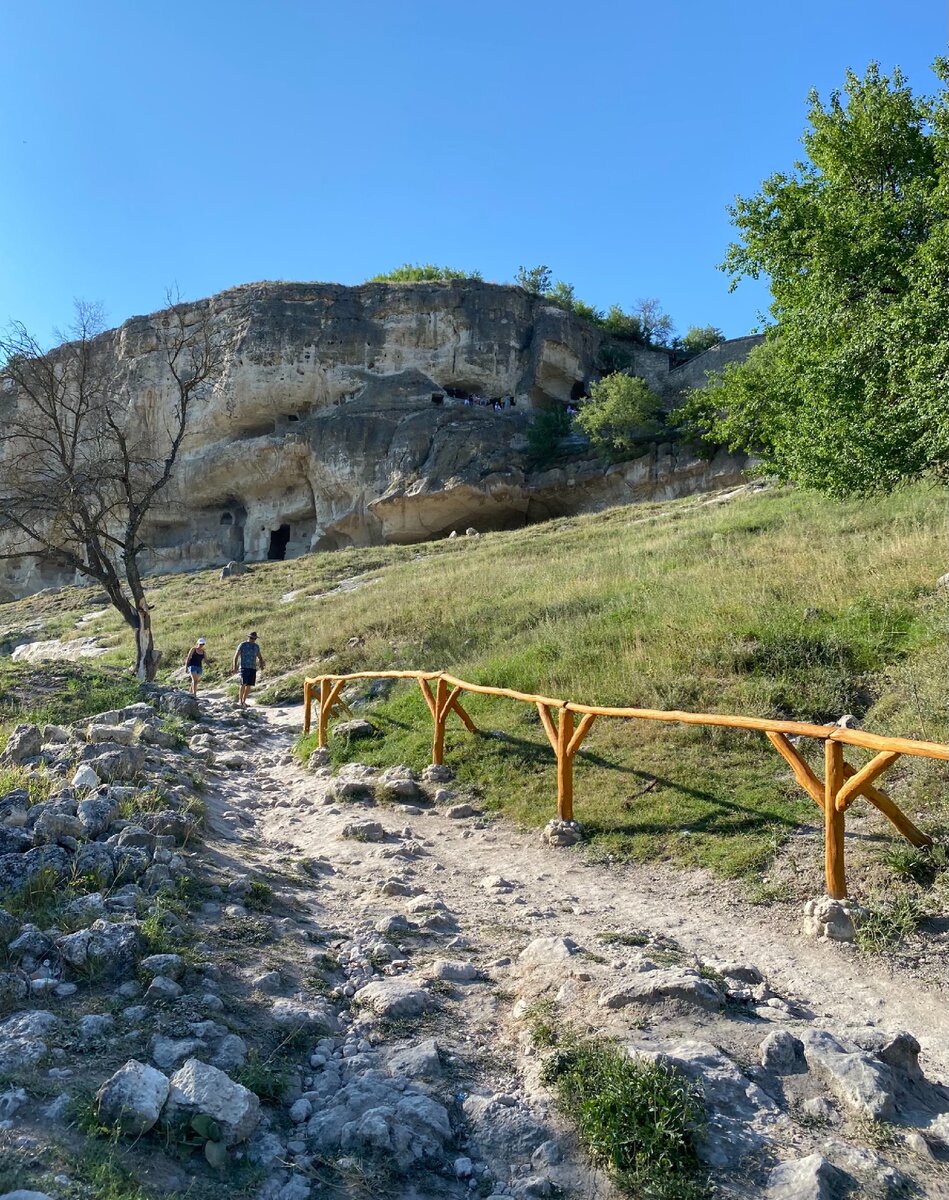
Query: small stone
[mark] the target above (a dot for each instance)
(464, 1168)
(832, 920)
(300, 1111)
(161, 989)
(363, 831)
(561, 833)
(458, 811)
(269, 982)
(170, 965)
(453, 971)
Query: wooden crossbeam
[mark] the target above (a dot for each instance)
(548, 724)
(892, 812)
(858, 780)
(802, 772)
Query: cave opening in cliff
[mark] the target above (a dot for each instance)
(277, 550)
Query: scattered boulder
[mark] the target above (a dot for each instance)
(24, 743)
(96, 813)
(22, 1038)
(678, 983)
(453, 971)
(459, 811)
(363, 831)
(85, 778)
(546, 952)
(16, 870)
(782, 1053)
(198, 1088)
(316, 1016)
(862, 1084)
(421, 1061)
(105, 949)
(395, 998)
(132, 1098)
(353, 730)
(810, 1178)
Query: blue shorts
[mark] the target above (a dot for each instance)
(248, 676)
(194, 670)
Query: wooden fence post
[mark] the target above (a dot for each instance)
(324, 716)
(834, 821)
(440, 716)
(565, 766)
(307, 703)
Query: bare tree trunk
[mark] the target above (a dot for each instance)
(146, 660)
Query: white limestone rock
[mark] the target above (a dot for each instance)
(198, 1087)
(132, 1098)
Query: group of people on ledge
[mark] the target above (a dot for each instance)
(483, 402)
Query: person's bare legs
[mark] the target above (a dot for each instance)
(194, 685)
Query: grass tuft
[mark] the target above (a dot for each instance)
(638, 1119)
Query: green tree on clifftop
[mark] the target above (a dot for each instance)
(850, 392)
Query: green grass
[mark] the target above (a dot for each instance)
(638, 1119)
(60, 693)
(778, 604)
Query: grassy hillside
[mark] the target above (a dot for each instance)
(777, 603)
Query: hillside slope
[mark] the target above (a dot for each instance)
(773, 603)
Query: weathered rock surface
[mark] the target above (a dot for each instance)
(339, 420)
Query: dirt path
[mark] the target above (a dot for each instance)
(556, 893)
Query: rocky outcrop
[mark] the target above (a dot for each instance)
(344, 416)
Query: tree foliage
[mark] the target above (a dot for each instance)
(850, 394)
(422, 273)
(620, 416)
(535, 280)
(544, 434)
(700, 337)
(83, 464)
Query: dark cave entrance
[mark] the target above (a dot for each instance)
(277, 550)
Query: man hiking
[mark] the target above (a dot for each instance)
(247, 655)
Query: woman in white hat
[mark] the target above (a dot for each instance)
(197, 657)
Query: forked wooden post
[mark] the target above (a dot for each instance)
(834, 821)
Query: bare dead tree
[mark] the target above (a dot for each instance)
(80, 466)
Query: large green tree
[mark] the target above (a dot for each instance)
(850, 392)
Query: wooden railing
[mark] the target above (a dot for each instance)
(841, 785)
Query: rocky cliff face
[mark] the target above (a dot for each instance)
(341, 419)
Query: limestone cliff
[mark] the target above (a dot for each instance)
(341, 419)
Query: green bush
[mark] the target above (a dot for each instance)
(422, 273)
(621, 416)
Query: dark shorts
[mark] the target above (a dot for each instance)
(248, 676)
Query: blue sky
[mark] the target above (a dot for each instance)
(206, 144)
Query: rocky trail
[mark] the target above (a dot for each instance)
(363, 957)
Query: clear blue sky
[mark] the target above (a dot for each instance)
(212, 143)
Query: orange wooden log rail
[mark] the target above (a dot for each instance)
(841, 785)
